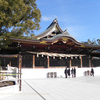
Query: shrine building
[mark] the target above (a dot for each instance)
(54, 48)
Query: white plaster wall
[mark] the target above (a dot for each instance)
(42, 73)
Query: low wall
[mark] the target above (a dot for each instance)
(8, 90)
(43, 73)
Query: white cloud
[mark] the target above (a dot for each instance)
(48, 18)
(78, 32)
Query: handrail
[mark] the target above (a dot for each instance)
(10, 74)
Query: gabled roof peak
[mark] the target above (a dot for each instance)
(52, 30)
(55, 20)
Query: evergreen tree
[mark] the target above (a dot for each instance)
(17, 18)
(94, 41)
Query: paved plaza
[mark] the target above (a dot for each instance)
(79, 88)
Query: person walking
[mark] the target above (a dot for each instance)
(92, 72)
(66, 71)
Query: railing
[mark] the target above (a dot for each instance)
(9, 78)
(5, 75)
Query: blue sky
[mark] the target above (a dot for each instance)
(81, 18)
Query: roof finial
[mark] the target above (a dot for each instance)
(55, 20)
(65, 29)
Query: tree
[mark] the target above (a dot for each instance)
(17, 18)
(98, 40)
(94, 42)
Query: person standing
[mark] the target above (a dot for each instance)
(74, 72)
(69, 72)
(66, 71)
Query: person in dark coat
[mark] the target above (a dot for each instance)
(66, 71)
(92, 72)
(74, 72)
(69, 72)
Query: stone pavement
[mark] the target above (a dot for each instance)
(79, 88)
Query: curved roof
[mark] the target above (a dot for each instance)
(53, 27)
(60, 36)
(54, 35)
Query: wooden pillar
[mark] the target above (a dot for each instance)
(48, 63)
(10, 63)
(19, 71)
(70, 63)
(92, 62)
(33, 61)
(89, 62)
(81, 62)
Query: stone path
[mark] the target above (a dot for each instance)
(80, 88)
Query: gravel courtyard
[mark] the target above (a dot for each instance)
(79, 88)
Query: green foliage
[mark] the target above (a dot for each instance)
(94, 41)
(98, 40)
(17, 18)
